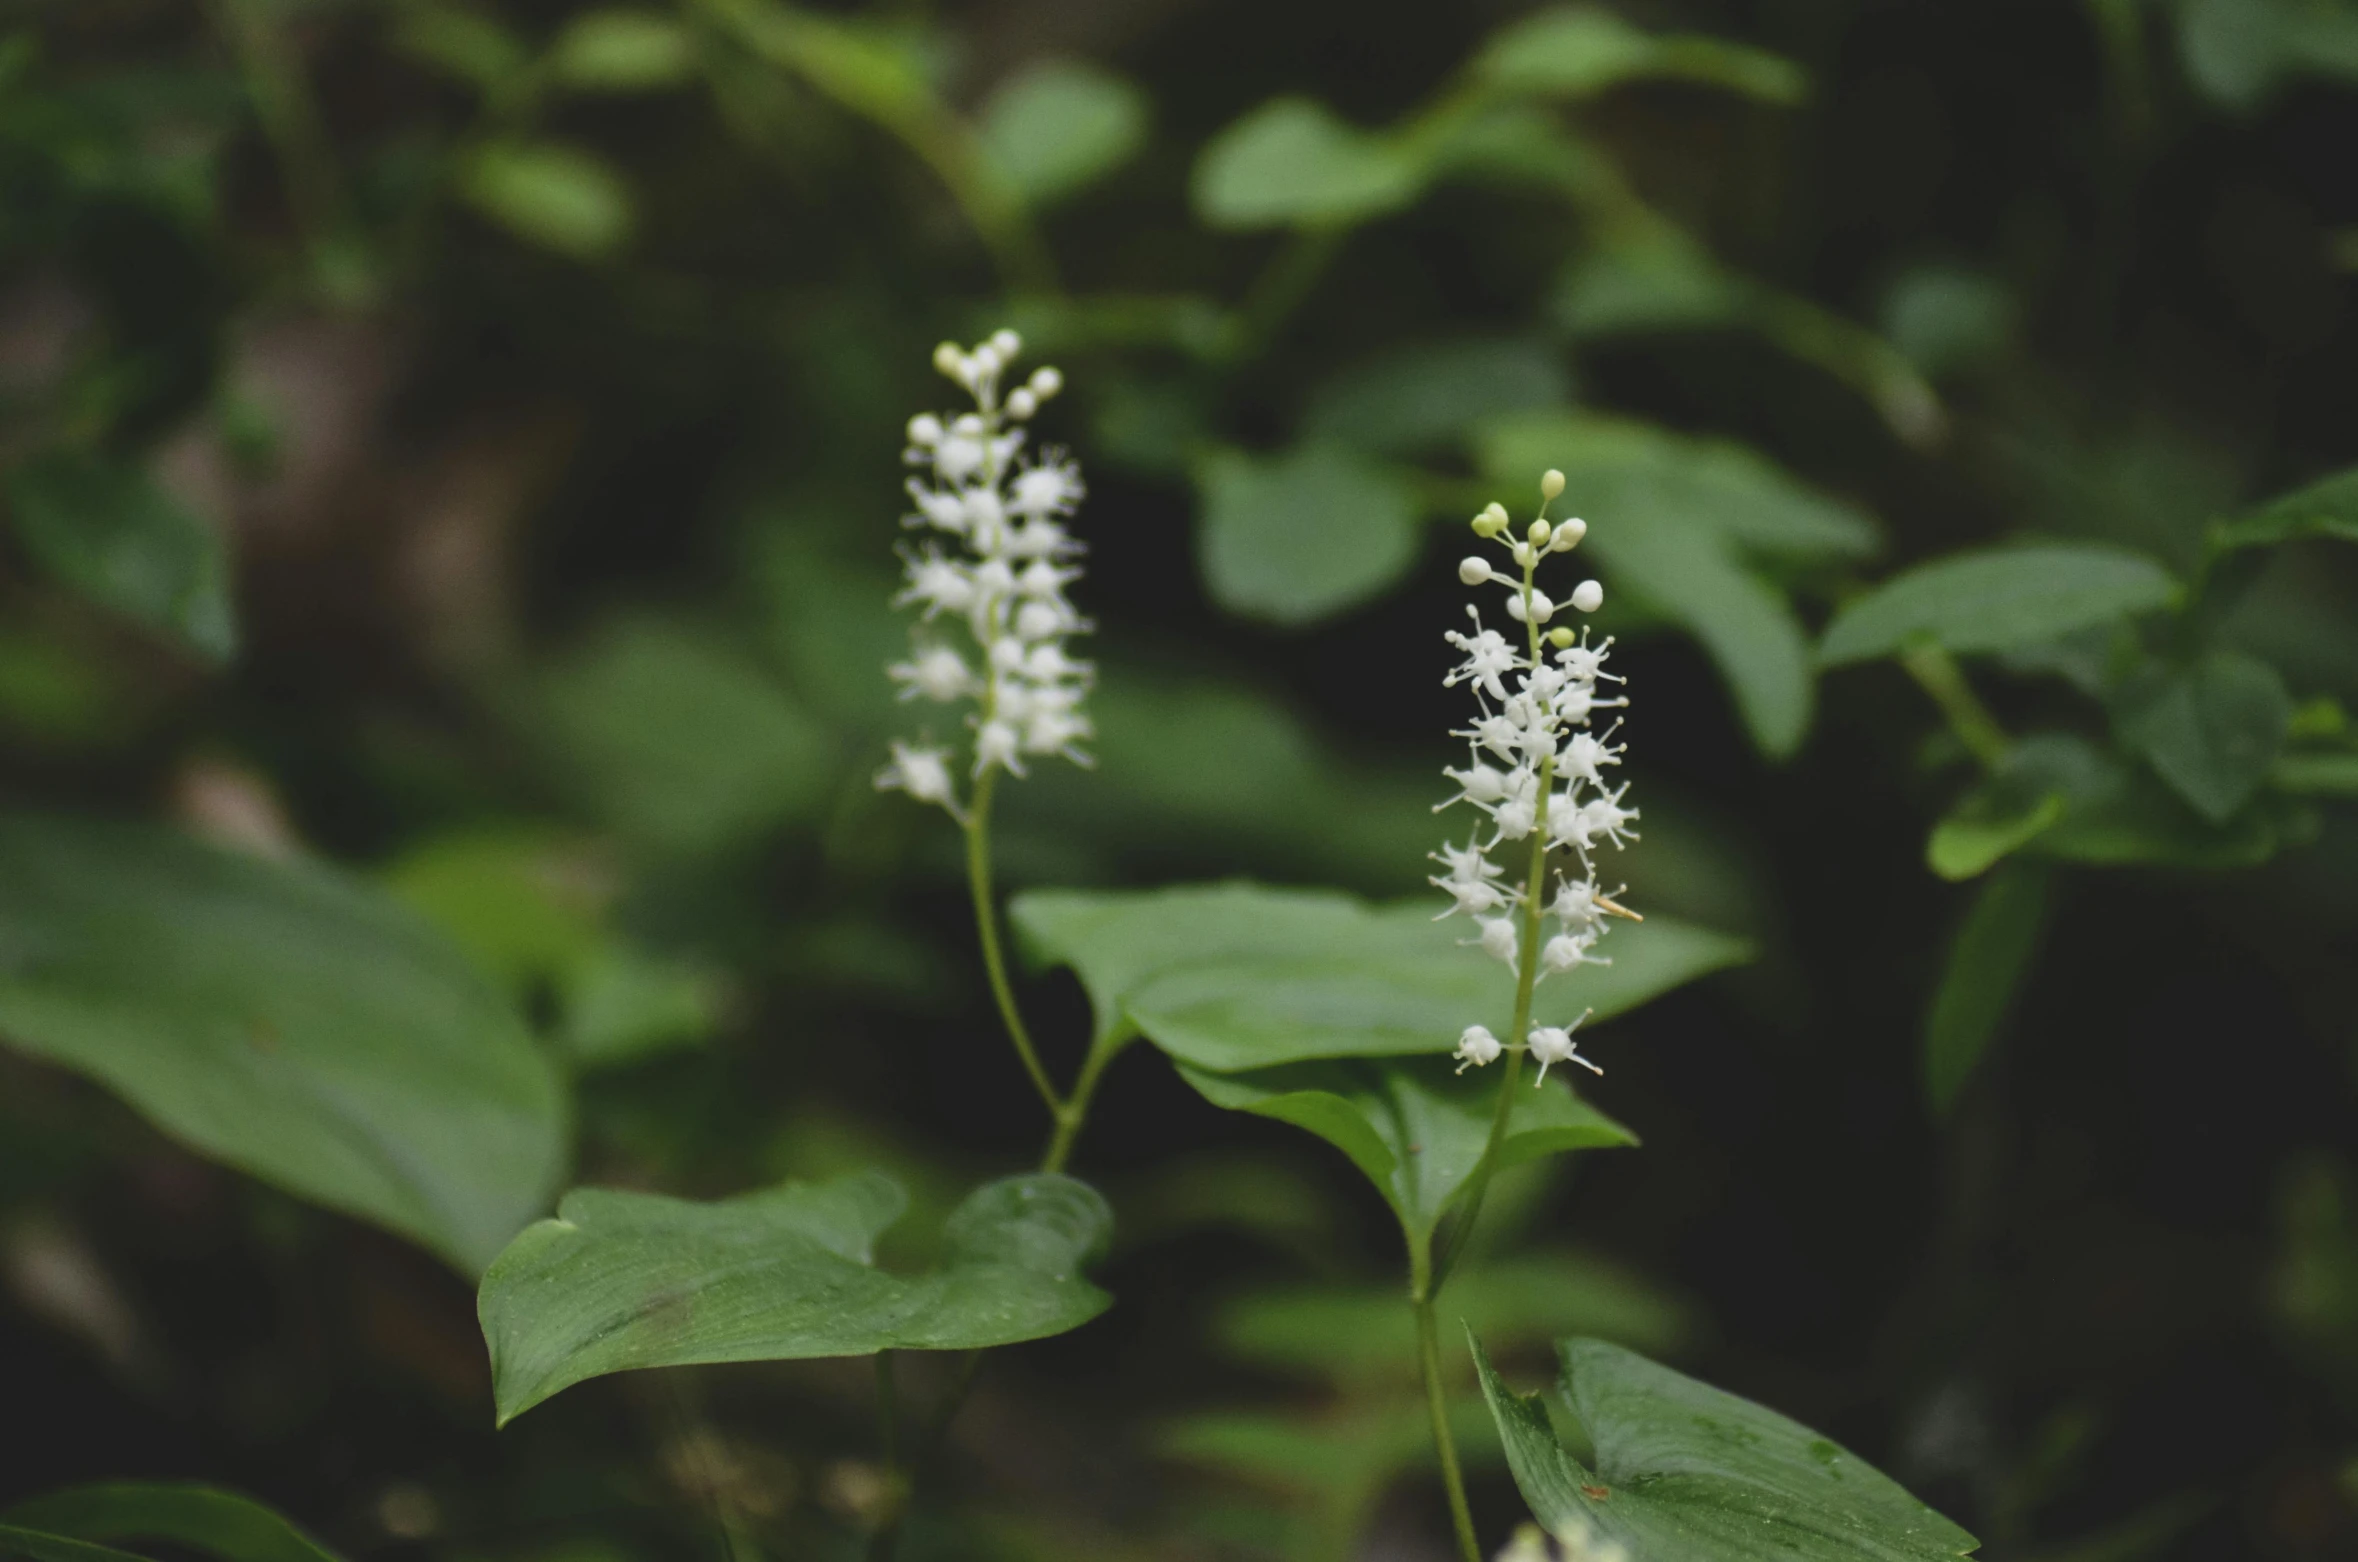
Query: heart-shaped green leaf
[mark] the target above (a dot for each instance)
(625, 1280)
(204, 1518)
(283, 1018)
(1686, 1473)
(1226, 977)
(1413, 1125)
(1305, 535)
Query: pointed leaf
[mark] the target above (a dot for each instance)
(559, 197)
(1292, 161)
(41, 1546)
(627, 1280)
(617, 49)
(2211, 730)
(1998, 599)
(1060, 125)
(1413, 1126)
(218, 1523)
(1687, 1472)
(1987, 961)
(1237, 976)
(108, 531)
(2325, 508)
(1578, 51)
(281, 1017)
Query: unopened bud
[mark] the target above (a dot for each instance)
(925, 429)
(984, 360)
(1473, 571)
(1539, 534)
(1561, 639)
(1588, 596)
(950, 360)
(1569, 532)
(1551, 483)
(1542, 609)
(1486, 525)
(1006, 344)
(1523, 554)
(1021, 403)
(1045, 382)
(1497, 514)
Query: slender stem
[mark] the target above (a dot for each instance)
(1938, 675)
(896, 1477)
(1075, 1110)
(986, 924)
(1428, 1341)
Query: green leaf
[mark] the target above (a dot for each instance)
(216, 1522)
(107, 530)
(558, 197)
(1686, 1472)
(1997, 599)
(44, 1547)
(1352, 1333)
(1579, 51)
(1060, 125)
(1988, 826)
(1303, 536)
(622, 50)
(2325, 508)
(1415, 1127)
(463, 44)
(2317, 775)
(1237, 976)
(674, 738)
(2113, 814)
(2211, 730)
(1292, 162)
(1987, 961)
(283, 1018)
(620, 1281)
(1411, 399)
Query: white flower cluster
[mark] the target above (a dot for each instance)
(997, 561)
(1535, 768)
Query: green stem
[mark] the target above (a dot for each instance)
(1075, 1110)
(1938, 675)
(1428, 1340)
(986, 924)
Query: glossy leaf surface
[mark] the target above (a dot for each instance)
(627, 1280)
(283, 1018)
(1687, 1473)
(1226, 977)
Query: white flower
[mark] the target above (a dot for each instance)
(1006, 580)
(1534, 769)
(923, 773)
(1476, 1048)
(1552, 1044)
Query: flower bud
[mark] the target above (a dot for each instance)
(1473, 571)
(925, 429)
(1006, 344)
(1045, 382)
(1021, 403)
(984, 361)
(1523, 554)
(1569, 532)
(1561, 639)
(1588, 596)
(1539, 534)
(1551, 483)
(1542, 608)
(949, 360)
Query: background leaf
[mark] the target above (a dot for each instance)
(1685, 1471)
(16, 1541)
(2212, 729)
(219, 1523)
(1060, 125)
(107, 530)
(622, 50)
(2325, 508)
(1576, 51)
(1237, 976)
(1417, 397)
(1292, 162)
(282, 1018)
(555, 196)
(1305, 535)
(1998, 599)
(1987, 962)
(627, 1280)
